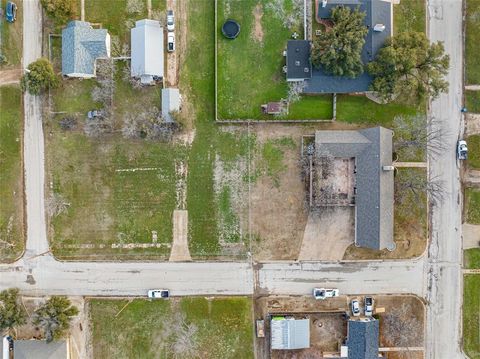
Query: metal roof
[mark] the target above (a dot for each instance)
(39, 349)
(376, 12)
(287, 334)
(299, 66)
(170, 103)
(372, 149)
(147, 50)
(81, 46)
(362, 340)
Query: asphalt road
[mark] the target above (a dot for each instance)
(444, 276)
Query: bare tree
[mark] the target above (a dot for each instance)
(295, 89)
(413, 133)
(184, 345)
(417, 183)
(68, 123)
(148, 124)
(56, 205)
(103, 92)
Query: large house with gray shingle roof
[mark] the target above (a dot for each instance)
(363, 339)
(379, 21)
(371, 150)
(82, 45)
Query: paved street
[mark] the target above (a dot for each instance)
(445, 252)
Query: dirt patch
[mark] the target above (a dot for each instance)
(9, 77)
(328, 233)
(257, 33)
(180, 251)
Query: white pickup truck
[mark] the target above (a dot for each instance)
(322, 293)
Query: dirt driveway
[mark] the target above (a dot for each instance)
(174, 59)
(9, 77)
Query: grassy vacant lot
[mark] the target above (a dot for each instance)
(11, 39)
(473, 101)
(11, 175)
(474, 151)
(472, 258)
(216, 328)
(472, 38)
(118, 191)
(471, 315)
(250, 67)
(472, 205)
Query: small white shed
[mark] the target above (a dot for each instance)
(171, 102)
(147, 50)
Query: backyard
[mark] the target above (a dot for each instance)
(474, 151)
(472, 101)
(472, 205)
(11, 40)
(11, 174)
(189, 327)
(471, 315)
(472, 38)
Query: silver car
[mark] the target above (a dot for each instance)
(170, 21)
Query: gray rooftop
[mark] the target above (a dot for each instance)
(170, 103)
(39, 349)
(81, 46)
(372, 149)
(147, 50)
(299, 66)
(363, 339)
(288, 334)
(377, 12)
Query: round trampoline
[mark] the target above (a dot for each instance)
(230, 29)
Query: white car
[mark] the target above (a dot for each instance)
(369, 303)
(171, 42)
(322, 293)
(355, 308)
(158, 294)
(170, 21)
(462, 150)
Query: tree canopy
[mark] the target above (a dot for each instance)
(60, 10)
(12, 313)
(410, 68)
(39, 77)
(54, 317)
(338, 49)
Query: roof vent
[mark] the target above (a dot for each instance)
(297, 63)
(379, 28)
(306, 69)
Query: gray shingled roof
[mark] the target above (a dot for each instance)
(363, 339)
(377, 12)
(39, 349)
(299, 66)
(147, 50)
(170, 103)
(288, 334)
(372, 149)
(81, 45)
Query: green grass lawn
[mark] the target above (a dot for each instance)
(473, 143)
(473, 101)
(472, 258)
(12, 43)
(11, 174)
(359, 109)
(250, 67)
(471, 315)
(409, 16)
(220, 328)
(472, 205)
(472, 39)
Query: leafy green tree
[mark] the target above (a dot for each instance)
(60, 10)
(12, 313)
(39, 77)
(54, 317)
(338, 49)
(409, 67)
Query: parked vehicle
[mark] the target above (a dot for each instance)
(95, 113)
(158, 294)
(369, 303)
(355, 308)
(170, 21)
(322, 293)
(462, 150)
(171, 42)
(260, 328)
(11, 11)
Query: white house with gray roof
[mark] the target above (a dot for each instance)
(374, 189)
(147, 51)
(82, 45)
